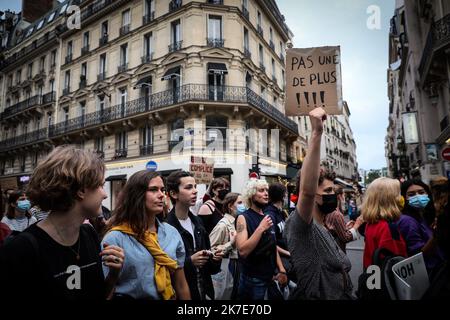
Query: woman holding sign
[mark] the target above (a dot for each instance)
(321, 266)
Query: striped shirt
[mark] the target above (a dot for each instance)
(19, 224)
(335, 223)
(38, 213)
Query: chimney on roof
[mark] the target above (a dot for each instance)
(34, 9)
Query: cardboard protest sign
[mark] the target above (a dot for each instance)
(411, 278)
(313, 79)
(202, 169)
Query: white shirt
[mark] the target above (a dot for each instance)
(19, 224)
(189, 227)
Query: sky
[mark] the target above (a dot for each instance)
(364, 60)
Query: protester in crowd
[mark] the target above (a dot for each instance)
(153, 267)
(6, 193)
(42, 261)
(417, 233)
(223, 236)
(322, 267)
(38, 213)
(18, 216)
(441, 194)
(335, 223)
(294, 196)
(200, 262)
(5, 231)
(258, 256)
(212, 210)
(381, 211)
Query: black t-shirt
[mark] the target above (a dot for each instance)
(53, 271)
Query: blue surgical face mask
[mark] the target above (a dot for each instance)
(240, 208)
(419, 202)
(23, 205)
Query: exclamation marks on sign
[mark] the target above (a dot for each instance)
(314, 98)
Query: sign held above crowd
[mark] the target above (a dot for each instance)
(313, 78)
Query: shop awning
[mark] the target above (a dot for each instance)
(219, 68)
(117, 177)
(171, 73)
(145, 80)
(222, 172)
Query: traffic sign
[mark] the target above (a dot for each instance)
(446, 154)
(151, 166)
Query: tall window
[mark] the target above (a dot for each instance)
(104, 28)
(177, 130)
(263, 92)
(246, 39)
(283, 80)
(84, 70)
(123, 95)
(38, 123)
(147, 135)
(40, 90)
(148, 39)
(82, 111)
(273, 68)
(271, 34)
(101, 103)
(42, 64)
(49, 119)
(69, 48)
(18, 76)
(67, 80)
(122, 141)
(52, 85)
(149, 7)
(215, 27)
(124, 54)
(99, 144)
(216, 128)
(176, 31)
(102, 64)
(53, 58)
(261, 55)
(259, 19)
(65, 115)
(245, 4)
(126, 18)
(86, 39)
(30, 70)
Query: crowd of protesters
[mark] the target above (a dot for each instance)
(163, 243)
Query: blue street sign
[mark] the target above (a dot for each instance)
(151, 166)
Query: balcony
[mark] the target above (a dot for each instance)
(175, 5)
(122, 68)
(66, 91)
(49, 98)
(215, 43)
(85, 50)
(176, 46)
(147, 58)
(146, 150)
(148, 18)
(164, 99)
(125, 29)
(262, 67)
(245, 13)
(260, 31)
(247, 53)
(438, 39)
(21, 106)
(30, 137)
(68, 58)
(103, 40)
(272, 45)
(83, 83)
(220, 2)
(120, 153)
(101, 76)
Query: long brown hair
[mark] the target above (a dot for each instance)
(230, 199)
(131, 209)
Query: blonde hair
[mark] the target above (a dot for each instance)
(250, 190)
(381, 201)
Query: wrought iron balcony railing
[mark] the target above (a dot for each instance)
(147, 58)
(176, 46)
(82, 83)
(247, 53)
(148, 18)
(125, 29)
(120, 153)
(175, 5)
(146, 150)
(49, 97)
(66, 91)
(101, 76)
(27, 104)
(216, 43)
(185, 93)
(85, 50)
(103, 40)
(122, 68)
(30, 137)
(215, 2)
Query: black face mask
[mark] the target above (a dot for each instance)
(222, 193)
(329, 203)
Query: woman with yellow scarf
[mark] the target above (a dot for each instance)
(155, 254)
